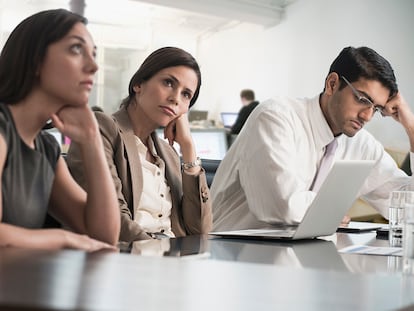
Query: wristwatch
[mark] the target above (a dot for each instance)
(188, 165)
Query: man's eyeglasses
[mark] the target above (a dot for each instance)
(364, 100)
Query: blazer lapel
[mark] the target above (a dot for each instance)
(128, 137)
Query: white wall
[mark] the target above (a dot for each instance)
(293, 57)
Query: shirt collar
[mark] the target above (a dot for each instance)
(320, 128)
(142, 149)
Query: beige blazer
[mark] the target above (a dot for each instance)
(191, 204)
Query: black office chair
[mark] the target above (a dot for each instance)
(405, 165)
(231, 138)
(210, 166)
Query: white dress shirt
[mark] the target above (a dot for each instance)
(266, 175)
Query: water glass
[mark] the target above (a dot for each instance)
(399, 201)
(408, 240)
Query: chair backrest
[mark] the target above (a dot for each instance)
(231, 138)
(210, 166)
(405, 165)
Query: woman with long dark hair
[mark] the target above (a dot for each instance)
(47, 67)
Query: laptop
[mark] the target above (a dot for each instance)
(334, 199)
(228, 118)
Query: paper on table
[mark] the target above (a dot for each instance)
(372, 250)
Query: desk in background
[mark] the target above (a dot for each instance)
(235, 275)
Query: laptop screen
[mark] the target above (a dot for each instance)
(228, 118)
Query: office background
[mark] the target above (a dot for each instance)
(274, 47)
(274, 57)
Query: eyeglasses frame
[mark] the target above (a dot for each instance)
(363, 100)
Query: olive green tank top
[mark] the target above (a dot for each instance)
(28, 174)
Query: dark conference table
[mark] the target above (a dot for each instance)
(208, 273)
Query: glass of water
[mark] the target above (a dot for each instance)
(399, 202)
(408, 240)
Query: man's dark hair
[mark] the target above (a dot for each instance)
(247, 94)
(363, 62)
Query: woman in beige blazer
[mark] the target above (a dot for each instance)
(157, 194)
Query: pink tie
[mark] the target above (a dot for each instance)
(325, 166)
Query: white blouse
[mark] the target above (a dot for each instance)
(154, 209)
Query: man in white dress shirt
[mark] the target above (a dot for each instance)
(267, 175)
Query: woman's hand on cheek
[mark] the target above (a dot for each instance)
(182, 130)
(78, 123)
(170, 131)
(178, 130)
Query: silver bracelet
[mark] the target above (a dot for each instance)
(188, 165)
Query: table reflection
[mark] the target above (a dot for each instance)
(358, 263)
(321, 254)
(316, 253)
(176, 247)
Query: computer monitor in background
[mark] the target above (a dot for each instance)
(210, 143)
(228, 118)
(58, 135)
(197, 115)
